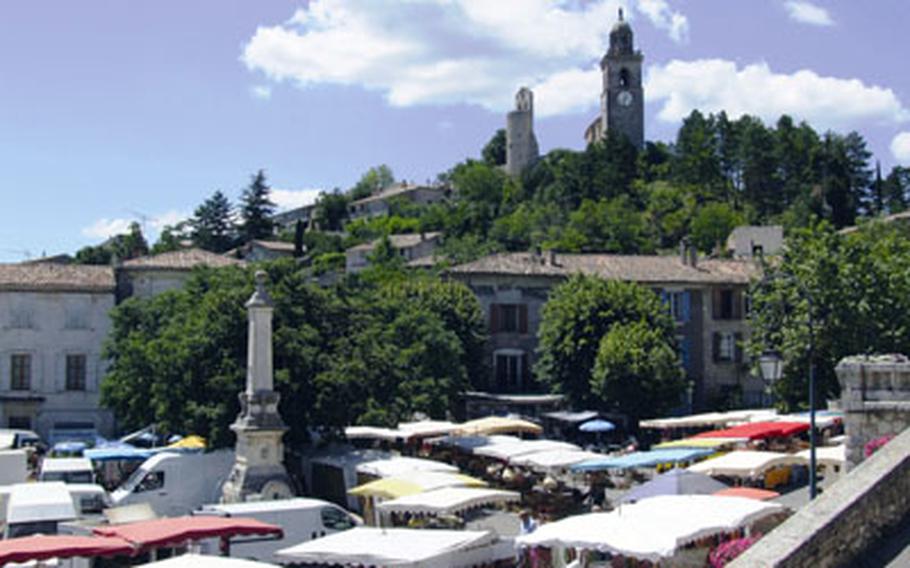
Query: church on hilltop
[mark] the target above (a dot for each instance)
(622, 106)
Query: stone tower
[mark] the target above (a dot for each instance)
(258, 472)
(622, 106)
(521, 144)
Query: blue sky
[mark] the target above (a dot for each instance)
(113, 110)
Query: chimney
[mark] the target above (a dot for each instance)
(684, 251)
(551, 257)
(423, 236)
(693, 256)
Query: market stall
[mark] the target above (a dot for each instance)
(399, 547)
(649, 459)
(178, 531)
(497, 425)
(758, 430)
(554, 459)
(44, 547)
(449, 501)
(508, 451)
(653, 529)
(400, 465)
(750, 464)
(206, 561)
(674, 482)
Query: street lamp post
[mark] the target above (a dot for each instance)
(771, 366)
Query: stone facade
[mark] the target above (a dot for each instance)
(149, 276)
(875, 398)
(707, 300)
(410, 247)
(380, 203)
(622, 107)
(521, 144)
(53, 321)
(751, 241)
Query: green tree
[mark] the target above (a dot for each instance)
(637, 371)
(859, 287)
(171, 237)
(577, 318)
(119, 248)
(494, 152)
(256, 210)
(331, 210)
(712, 225)
(374, 180)
(212, 225)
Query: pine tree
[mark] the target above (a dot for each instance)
(212, 226)
(256, 210)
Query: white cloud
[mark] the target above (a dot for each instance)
(286, 199)
(808, 13)
(451, 51)
(900, 148)
(170, 218)
(261, 92)
(105, 228)
(712, 85)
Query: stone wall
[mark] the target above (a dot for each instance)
(847, 522)
(875, 398)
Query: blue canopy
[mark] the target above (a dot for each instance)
(69, 447)
(644, 459)
(118, 453)
(598, 425)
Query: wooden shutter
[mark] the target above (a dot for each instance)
(737, 304)
(523, 318)
(738, 349)
(494, 318)
(717, 300)
(715, 346)
(525, 370)
(686, 305)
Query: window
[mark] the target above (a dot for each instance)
(21, 319)
(728, 304)
(512, 370)
(336, 519)
(76, 319)
(508, 318)
(727, 347)
(152, 481)
(20, 422)
(20, 372)
(75, 372)
(624, 81)
(678, 303)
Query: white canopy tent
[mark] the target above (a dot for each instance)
(711, 419)
(448, 500)
(426, 428)
(206, 561)
(411, 548)
(554, 459)
(509, 451)
(402, 465)
(654, 528)
(826, 455)
(744, 463)
(469, 443)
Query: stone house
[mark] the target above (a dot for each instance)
(258, 250)
(53, 321)
(287, 220)
(750, 241)
(380, 203)
(411, 247)
(707, 299)
(148, 276)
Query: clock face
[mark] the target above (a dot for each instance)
(624, 98)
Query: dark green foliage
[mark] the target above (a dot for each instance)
(374, 180)
(331, 210)
(212, 226)
(859, 285)
(356, 353)
(712, 225)
(494, 152)
(256, 210)
(119, 248)
(578, 356)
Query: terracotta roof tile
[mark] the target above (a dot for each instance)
(181, 260)
(638, 268)
(55, 277)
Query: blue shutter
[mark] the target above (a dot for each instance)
(686, 305)
(684, 354)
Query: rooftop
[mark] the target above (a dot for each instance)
(181, 260)
(394, 191)
(54, 277)
(280, 246)
(402, 241)
(638, 268)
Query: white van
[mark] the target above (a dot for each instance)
(176, 483)
(67, 470)
(33, 508)
(13, 466)
(301, 519)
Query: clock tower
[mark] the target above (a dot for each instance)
(622, 107)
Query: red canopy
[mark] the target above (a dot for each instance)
(174, 531)
(43, 547)
(748, 492)
(758, 430)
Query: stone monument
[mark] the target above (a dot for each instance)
(875, 398)
(521, 144)
(258, 472)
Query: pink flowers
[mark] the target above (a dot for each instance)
(727, 551)
(873, 446)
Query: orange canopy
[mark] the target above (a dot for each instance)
(748, 492)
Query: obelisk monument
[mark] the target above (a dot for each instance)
(258, 472)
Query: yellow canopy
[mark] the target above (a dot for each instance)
(193, 442)
(413, 483)
(700, 443)
(496, 425)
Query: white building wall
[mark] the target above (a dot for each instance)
(48, 326)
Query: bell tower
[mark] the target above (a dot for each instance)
(622, 105)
